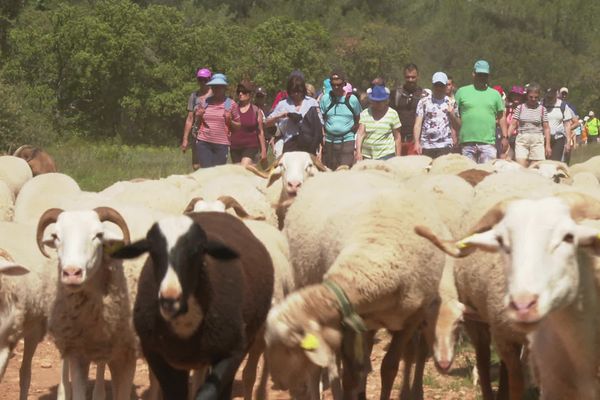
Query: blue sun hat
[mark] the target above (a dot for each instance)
(218, 80)
(379, 93)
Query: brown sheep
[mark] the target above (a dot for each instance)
(39, 160)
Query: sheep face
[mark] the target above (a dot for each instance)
(79, 238)
(295, 167)
(449, 318)
(539, 240)
(298, 346)
(177, 247)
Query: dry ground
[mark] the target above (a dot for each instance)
(46, 373)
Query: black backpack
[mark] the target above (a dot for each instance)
(310, 131)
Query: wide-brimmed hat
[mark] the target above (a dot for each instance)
(218, 80)
(379, 93)
(517, 90)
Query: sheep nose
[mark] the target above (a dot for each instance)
(444, 365)
(170, 305)
(524, 304)
(72, 275)
(293, 186)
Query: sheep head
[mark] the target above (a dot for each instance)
(81, 241)
(539, 240)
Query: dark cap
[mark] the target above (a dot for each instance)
(246, 85)
(337, 75)
(261, 91)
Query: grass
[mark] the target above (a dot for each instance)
(583, 153)
(95, 166)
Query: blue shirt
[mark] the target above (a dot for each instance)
(339, 119)
(289, 128)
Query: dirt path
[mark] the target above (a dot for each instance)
(46, 374)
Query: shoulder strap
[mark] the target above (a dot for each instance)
(347, 102)
(563, 107)
(332, 102)
(228, 103)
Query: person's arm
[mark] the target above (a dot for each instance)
(189, 121)
(512, 127)
(232, 117)
(501, 119)
(568, 135)
(546, 127)
(360, 136)
(398, 140)
(417, 133)
(261, 138)
(273, 119)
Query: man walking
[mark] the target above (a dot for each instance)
(341, 113)
(405, 102)
(592, 126)
(480, 107)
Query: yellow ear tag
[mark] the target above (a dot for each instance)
(110, 247)
(463, 243)
(310, 342)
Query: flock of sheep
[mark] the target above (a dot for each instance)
(304, 265)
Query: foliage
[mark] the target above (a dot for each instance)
(123, 69)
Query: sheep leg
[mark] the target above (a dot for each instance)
(64, 391)
(480, 337)
(249, 373)
(422, 355)
(173, 382)
(79, 369)
(31, 342)
(409, 359)
(99, 389)
(510, 355)
(261, 391)
(354, 371)
(502, 392)
(122, 373)
(219, 383)
(4, 356)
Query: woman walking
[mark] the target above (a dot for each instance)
(530, 122)
(217, 117)
(378, 136)
(250, 137)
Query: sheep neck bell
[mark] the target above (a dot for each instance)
(350, 320)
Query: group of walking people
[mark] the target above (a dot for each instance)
(342, 126)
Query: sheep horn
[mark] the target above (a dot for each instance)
(48, 217)
(230, 202)
(582, 206)
(318, 163)
(256, 171)
(342, 168)
(4, 254)
(563, 168)
(535, 165)
(492, 217)
(112, 215)
(192, 204)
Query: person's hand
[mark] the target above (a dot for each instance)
(358, 156)
(505, 144)
(227, 117)
(567, 146)
(199, 113)
(548, 151)
(450, 109)
(263, 156)
(184, 145)
(272, 144)
(418, 148)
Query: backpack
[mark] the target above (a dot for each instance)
(228, 103)
(563, 107)
(347, 97)
(310, 131)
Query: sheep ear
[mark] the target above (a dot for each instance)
(220, 251)
(275, 174)
(316, 349)
(111, 246)
(587, 236)
(132, 250)
(12, 268)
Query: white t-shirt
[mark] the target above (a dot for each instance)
(556, 119)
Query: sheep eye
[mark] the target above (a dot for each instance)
(54, 237)
(569, 238)
(502, 245)
(99, 235)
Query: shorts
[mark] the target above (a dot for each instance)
(338, 154)
(211, 154)
(479, 152)
(437, 152)
(530, 146)
(243, 152)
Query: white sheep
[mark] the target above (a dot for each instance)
(7, 202)
(551, 290)
(451, 164)
(41, 193)
(23, 299)
(14, 171)
(359, 240)
(591, 165)
(90, 317)
(554, 170)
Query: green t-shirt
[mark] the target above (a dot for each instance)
(592, 126)
(478, 109)
(379, 138)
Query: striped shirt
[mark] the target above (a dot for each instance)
(379, 138)
(213, 128)
(530, 119)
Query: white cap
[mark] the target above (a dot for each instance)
(591, 114)
(563, 89)
(439, 77)
(586, 118)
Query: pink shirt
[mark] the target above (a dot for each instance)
(213, 128)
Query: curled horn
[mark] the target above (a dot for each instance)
(48, 217)
(257, 172)
(111, 215)
(563, 168)
(4, 254)
(582, 206)
(192, 204)
(492, 217)
(318, 163)
(230, 202)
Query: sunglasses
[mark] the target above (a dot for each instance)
(243, 91)
(336, 86)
